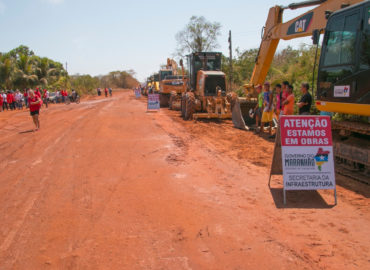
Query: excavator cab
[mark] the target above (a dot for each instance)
(163, 73)
(344, 71)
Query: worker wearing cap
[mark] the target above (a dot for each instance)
(268, 110)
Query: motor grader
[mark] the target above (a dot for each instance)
(205, 96)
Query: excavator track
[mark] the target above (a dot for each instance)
(351, 142)
(352, 126)
(352, 174)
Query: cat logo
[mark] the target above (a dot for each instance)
(301, 25)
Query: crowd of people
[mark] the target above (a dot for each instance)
(280, 101)
(18, 100)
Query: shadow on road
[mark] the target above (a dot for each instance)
(26, 131)
(299, 199)
(353, 185)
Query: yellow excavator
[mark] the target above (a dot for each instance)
(343, 78)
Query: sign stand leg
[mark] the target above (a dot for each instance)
(335, 196)
(276, 167)
(284, 194)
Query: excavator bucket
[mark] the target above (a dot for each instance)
(237, 116)
(240, 108)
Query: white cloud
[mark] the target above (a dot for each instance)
(2, 7)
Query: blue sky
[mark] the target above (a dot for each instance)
(96, 36)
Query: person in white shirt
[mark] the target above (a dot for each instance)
(57, 96)
(18, 100)
(5, 103)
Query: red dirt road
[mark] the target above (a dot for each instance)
(105, 185)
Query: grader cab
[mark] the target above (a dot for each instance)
(206, 90)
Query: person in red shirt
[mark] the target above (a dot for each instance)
(34, 102)
(66, 98)
(106, 92)
(63, 96)
(10, 100)
(38, 93)
(1, 102)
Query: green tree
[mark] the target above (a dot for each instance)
(243, 65)
(84, 84)
(197, 36)
(21, 68)
(293, 65)
(6, 70)
(120, 79)
(44, 71)
(24, 75)
(20, 50)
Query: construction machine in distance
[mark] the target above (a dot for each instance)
(178, 87)
(343, 80)
(167, 79)
(205, 96)
(155, 82)
(152, 85)
(170, 84)
(147, 86)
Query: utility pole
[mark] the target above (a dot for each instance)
(66, 75)
(230, 62)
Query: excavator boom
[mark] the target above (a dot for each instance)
(301, 26)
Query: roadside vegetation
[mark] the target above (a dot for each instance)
(289, 64)
(21, 68)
